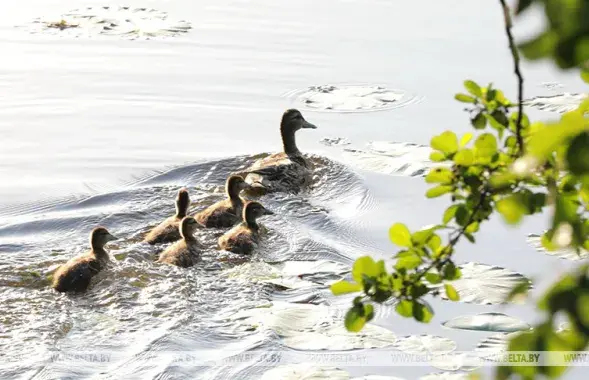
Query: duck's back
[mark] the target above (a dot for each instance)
(76, 274)
(279, 172)
(180, 254)
(240, 239)
(166, 232)
(220, 215)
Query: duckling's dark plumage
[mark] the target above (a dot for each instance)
(167, 231)
(76, 274)
(186, 252)
(244, 238)
(288, 171)
(225, 213)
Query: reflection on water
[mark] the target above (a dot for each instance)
(137, 306)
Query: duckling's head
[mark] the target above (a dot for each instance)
(182, 203)
(187, 227)
(293, 120)
(99, 237)
(254, 210)
(235, 184)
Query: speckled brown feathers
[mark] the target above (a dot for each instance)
(225, 213)
(186, 252)
(167, 231)
(244, 238)
(77, 273)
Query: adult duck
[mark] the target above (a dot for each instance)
(76, 274)
(244, 238)
(167, 231)
(287, 171)
(186, 252)
(225, 213)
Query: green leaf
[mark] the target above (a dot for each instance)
(437, 156)
(578, 155)
(473, 88)
(464, 157)
(450, 272)
(449, 213)
(439, 175)
(447, 142)
(422, 312)
(344, 287)
(433, 278)
(355, 319)
(365, 265)
(511, 208)
(404, 308)
(408, 261)
(479, 121)
(434, 243)
(451, 293)
(546, 140)
(585, 75)
(400, 235)
(486, 145)
(438, 191)
(465, 139)
(465, 98)
(540, 47)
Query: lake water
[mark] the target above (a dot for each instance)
(98, 129)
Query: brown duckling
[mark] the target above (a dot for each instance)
(167, 231)
(286, 171)
(186, 252)
(225, 213)
(244, 237)
(75, 275)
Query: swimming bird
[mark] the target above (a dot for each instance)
(167, 231)
(75, 275)
(225, 213)
(186, 252)
(287, 171)
(244, 238)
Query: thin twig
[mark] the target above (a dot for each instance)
(518, 74)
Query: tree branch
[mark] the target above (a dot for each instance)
(518, 74)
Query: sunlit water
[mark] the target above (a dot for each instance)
(104, 130)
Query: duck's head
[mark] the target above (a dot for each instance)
(187, 227)
(100, 236)
(182, 202)
(253, 210)
(293, 120)
(234, 185)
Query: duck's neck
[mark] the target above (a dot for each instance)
(289, 142)
(233, 194)
(181, 211)
(100, 252)
(250, 222)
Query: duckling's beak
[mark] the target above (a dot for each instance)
(306, 124)
(268, 212)
(111, 237)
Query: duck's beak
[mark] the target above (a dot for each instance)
(245, 186)
(111, 237)
(268, 212)
(306, 124)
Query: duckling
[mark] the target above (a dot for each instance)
(286, 171)
(225, 213)
(244, 237)
(167, 231)
(75, 275)
(186, 252)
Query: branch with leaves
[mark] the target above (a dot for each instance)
(516, 168)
